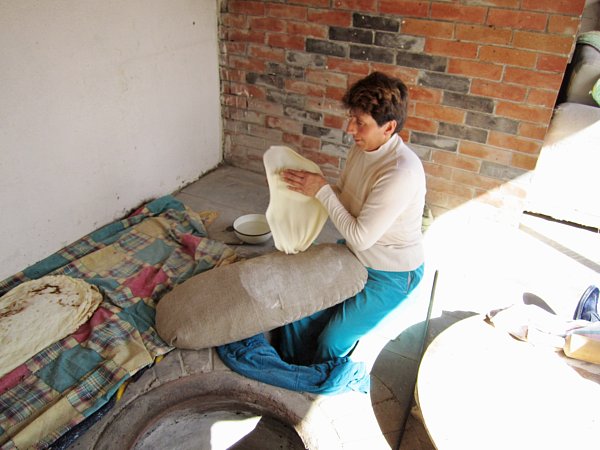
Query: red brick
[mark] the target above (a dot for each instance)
(247, 64)
(268, 53)
(266, 107)
(529, 113)
(404, 8)
(520, 20)
(268, 24)
(429, 28)
(563, 24)
(232, 75)
(533, 78)
(423, 94)
(325, 105)
(483, 34)
(286, 41)
(302, 87)
(347, 66)
(475, 180)
(235, 101)
(420, 124)
(437, 170)
(513, 4)
(458, 13)
(405, 135)
(301, 141)
(455, 160)
(522, 161)
(508, 56)
(330, 17)
(248, 90)
(246, 7)
(256, 37)
(446, 186)
(335, 93)
(286, 11)
(307, 29)
(550, 43)
(552, 63)
(475, 69)
(237, 21)
(326, 78)
(498, 90)
(406, 74)
(451, 48)
(337, 122)
(514, 143)
(357, 5)
(287, 125)
(316, 3)
(532, 130)
(439, 112)
(234, 48)
(542, 97)
(322, 159)
(485, 152)
(571, 7)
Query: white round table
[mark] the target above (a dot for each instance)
(479, 388)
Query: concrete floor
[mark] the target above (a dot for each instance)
(481, 266)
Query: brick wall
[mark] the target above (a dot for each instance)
(483, 78)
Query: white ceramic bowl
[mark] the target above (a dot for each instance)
(252, 228)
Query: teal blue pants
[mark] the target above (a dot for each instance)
(334, 332)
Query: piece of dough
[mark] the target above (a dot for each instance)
(38, 313)
(295, 219)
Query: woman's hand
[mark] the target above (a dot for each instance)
(307, 183)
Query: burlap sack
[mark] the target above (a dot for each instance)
(239, 300)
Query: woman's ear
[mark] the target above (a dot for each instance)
(390, 127)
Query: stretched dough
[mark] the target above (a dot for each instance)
(295, 219)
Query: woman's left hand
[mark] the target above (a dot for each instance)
(307, 183)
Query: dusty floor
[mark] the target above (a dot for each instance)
(481, 266)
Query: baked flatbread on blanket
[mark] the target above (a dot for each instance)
(39, 313)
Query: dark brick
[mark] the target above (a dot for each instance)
(463, 132)
(298, 59)
(422, 61)
(430, 140)
(424, 153)
(301, 114)
(470, 102)
(501, 124)
(351, 35)
(325, 47)
(498, 171)
(286, 99)
(445, 82)
(267, 80)
(415, 44)
(375, 23)
(326, 134)
(377, 54)
(296, 73)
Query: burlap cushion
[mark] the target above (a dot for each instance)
(239, 300)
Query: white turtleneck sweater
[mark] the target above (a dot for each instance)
(377, 206)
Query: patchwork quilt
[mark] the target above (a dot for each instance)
(133, 262)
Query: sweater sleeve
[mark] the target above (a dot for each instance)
(389, 196)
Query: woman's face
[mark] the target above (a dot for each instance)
(367, 135)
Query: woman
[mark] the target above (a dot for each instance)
(377, 207)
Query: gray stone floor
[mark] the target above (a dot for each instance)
(481, 265)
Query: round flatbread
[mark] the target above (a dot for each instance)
(39, 313)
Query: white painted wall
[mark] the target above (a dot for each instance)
(103, 104)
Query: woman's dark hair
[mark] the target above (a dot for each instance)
(383, 97)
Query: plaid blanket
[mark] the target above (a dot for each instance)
(134, 262)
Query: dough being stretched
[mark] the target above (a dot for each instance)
(295, 219)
